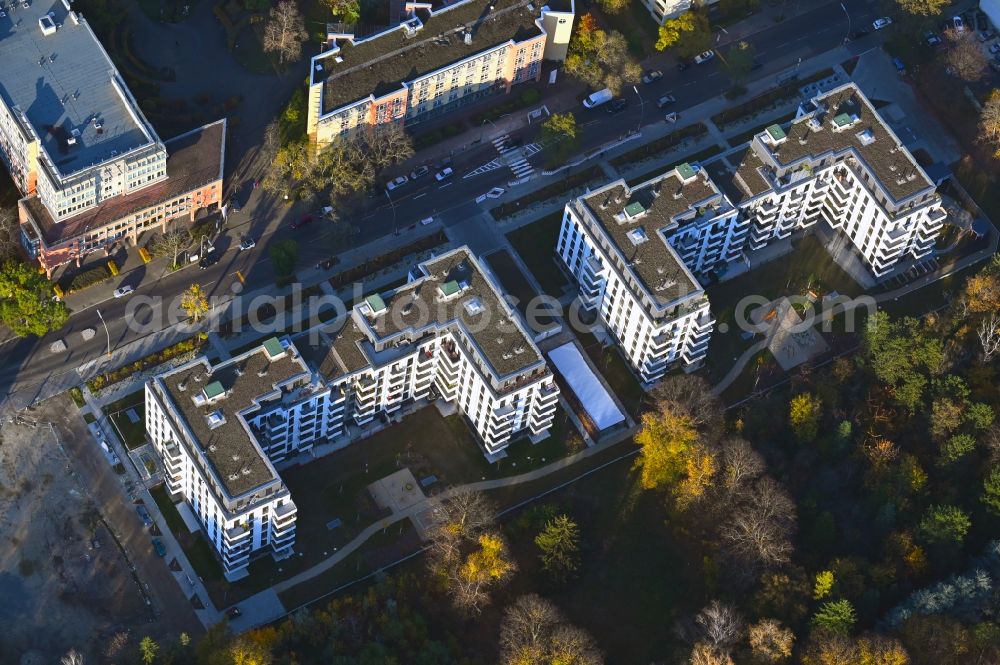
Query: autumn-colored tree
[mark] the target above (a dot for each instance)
(148, 650)
(823, 585)
(534, 632)
(249, 652)
(834, 648)
(804, 414)
(473, 579)
(559, 543)
(347, 11)
(613, 6)
(194, 302)
(989, 127)
(706, 654)
(770, 641)
(599, 58)
(923, 8)
(666, 439)
(688, 33)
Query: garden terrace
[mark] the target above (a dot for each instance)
(382, 63)
(748, 179)
(845, 122)
(636, 219)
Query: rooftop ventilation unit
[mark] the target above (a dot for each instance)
(215, 419)
(634, 210)
(467, 38)
(637, 236)
(867, 137)
(47, 24)
(474, 306)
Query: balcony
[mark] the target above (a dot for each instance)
(284, 511)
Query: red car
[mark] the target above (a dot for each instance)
(302, 221)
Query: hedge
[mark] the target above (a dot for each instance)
(86, 279)
(547, 192)
(661, 144)
(772, 97)
(152, 360)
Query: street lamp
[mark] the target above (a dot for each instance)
(395, 229)
(487, 120)
(848, 37)
(642, 108)
(105, 331)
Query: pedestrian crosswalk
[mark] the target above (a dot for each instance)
(516, 156)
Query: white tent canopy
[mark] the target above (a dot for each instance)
(586, 386)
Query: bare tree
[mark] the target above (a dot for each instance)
(389, 144)
(964, 55)
(770, 641)
(989, 123)
(173, 243)
(760, 528)
(285, 32)
(989, 335)
(721, 626)
(705, 654)
(740, 464)
(72, 657)
(271, 141)
(463, 517)
(692, 395)
(10, 233)
(534, 631)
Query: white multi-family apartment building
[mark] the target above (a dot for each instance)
(439, 57)
(841, 164)
(90, 167)
(623, 245)
(447, 334)
(663, 10)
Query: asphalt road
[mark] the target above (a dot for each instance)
(27, 365)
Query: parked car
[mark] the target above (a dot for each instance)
(898, 64)
(957, 24)
(419, 172)
(233, 612)
(665, 100)
(702, 58)
(209, 258)
(618, 105)
(880, 23)
(858, 34)
(246, 242)
(301, 221)
(159, 548)
(994, 48)
(398, 181)
(595, 99)
(652, 76)
(683, 64)
(123, 291)
(985, 35)
(144, 515)
(444, 174)
(932, 39)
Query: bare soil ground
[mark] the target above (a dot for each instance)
(63, 579)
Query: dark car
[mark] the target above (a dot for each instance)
(301, 221)
(159, 548)
(144, 515)
(858, 34)
(210, 258)
(234, 612)
(683, 64)
(617, 105)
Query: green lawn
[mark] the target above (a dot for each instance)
(536, 245)
(169, 510)
(196, 548)
(133, 434)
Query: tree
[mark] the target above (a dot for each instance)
(533, 631)
(285, 32)
(720, 626)
(956, 448)
(692, 396)
(613, 6)
(982, 290)
(284, 255)
(989, 128)
(72, 657)
(739, 61)
(804, 414)
(249, 652)
(824, 584)
(348, 11)
(688, 34)
(387, 145)
(470, 580)
(560, 546)
(173, 243)
(770, 641)
(760, 528)
(10, 234)
(741, 464)
(964, 55)
(944, 523)
(923, 7)
(26, 304)
(601, 59)
(667, 440)
(988, 333)
(194, 302)
(148, 650)
(835, 616)
(562, 133)
(991, 490)
(705, 654)
(902, 355)
(832, 648)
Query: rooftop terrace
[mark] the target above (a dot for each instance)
(847, 121)
(636, 219)
(381, 63)
(226, 443)
(62, 79)
(453, 290)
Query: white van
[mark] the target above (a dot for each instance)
(598, 98)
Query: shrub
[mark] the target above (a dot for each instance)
(85, 279)
(77, 396)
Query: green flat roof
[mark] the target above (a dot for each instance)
(842, 119)
(685, 171)
(450, 288)
(776, 132)
(213, 390)
(273, 347)
(634, 209)
(375, 302)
